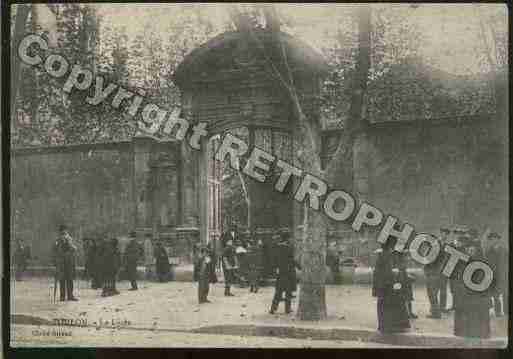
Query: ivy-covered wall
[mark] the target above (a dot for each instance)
(436, 173)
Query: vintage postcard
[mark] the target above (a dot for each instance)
(257, 175)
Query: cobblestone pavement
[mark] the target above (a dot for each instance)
(28, 335)
(173, 305)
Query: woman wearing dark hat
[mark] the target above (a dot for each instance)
(471, 316)
(161, 262)
(390, 287)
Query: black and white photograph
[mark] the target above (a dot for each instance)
(256, 175)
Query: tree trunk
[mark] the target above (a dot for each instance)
(22, 13)
(312, 298)
(312, 295)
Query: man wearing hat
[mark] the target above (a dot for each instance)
(205, 268)
(230, 265)
(436, 282)
(21, 258)
(64, 257)
(444, 281)
(148, 256)
(286, 280)
(498, 262)
(133, 252)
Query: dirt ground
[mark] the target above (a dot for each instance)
(174, 305)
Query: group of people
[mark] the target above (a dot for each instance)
(104, 263)
(392, 285)
(242, 261)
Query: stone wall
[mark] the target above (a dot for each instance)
(95, 189)
(435, 173)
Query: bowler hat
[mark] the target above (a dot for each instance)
(493, 235)
(460, 229)
(473, 233)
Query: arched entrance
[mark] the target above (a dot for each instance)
(226, 84)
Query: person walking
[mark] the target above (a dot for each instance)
(205, 268)
(409, 279)
(286, 279)
(213, 262)
(436, 282)
(133, 253)
(388, 285)
(64, 257)
(162, 262)
(254, 265)
(230, 266)
(149, 260)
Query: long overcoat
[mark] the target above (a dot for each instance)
(133, 253)
(64, 257)
(390, 287)
(286, 279)
(471, 309)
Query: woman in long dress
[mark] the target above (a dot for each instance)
(389, 286)
(472, 309)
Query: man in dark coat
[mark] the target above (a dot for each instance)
(21, 258)
(389, 285)
(64, 257)
(89, 265)
(213, 262)
(434, 285)
(333, 262)
(254, 258)
(286, 280)
(196, 257)
(444, 281)
(161, 262)
(471, 309)
(111, 264)
(206, 266)
(230, 266)
(498, 262)
(409, 280)
(97, 263)
(133, 253)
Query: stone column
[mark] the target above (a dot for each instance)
(142, 197)
(188, 183)
(203, 198)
